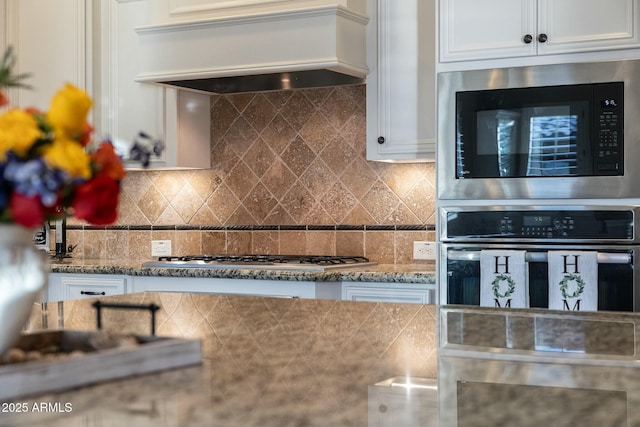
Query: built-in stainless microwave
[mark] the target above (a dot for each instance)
(555, 131)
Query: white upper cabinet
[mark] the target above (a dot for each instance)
(51, 43)
(401, 82)
(492, 29)
(127, 107)
(482, 29)
(588, 25)
(93, 45)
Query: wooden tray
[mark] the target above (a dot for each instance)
(151, 354)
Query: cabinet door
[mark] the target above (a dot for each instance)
(401, 82)
(128, 107)
(380, 293)
(485, 29)
(586, 25)
(52, 42)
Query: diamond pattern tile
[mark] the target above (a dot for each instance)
(380, 202)
(283, 158)
(298, 156)
(240, 136)
(341, 201)
(294, 144)
(259, 202)
(338, 154)
(297, 110)
(259, 112)
(152, 204)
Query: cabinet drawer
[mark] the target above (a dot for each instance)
(90, 287)
(389, 293)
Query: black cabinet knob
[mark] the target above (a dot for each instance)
(542, 37)
(381, 140)
(528, 38)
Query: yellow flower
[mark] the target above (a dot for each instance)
(70, 156)
(68, 111)
(18, 131)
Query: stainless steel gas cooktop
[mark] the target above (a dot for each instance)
(262, 262)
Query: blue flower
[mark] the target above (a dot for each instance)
(33, 177)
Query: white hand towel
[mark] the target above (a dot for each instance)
(573, 280)
(504, 278)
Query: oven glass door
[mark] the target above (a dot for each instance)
(554, 131)
(615, 280)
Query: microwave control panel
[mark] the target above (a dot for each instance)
(541, 224)
(608, 127)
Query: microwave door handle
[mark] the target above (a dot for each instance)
(603, 257)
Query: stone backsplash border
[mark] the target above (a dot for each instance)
(311, 227)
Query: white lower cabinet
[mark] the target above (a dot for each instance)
(64, 287)
(68, 286)
(389, 292)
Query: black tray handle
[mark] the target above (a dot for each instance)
(99, 305)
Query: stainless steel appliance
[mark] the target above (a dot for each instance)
(262, 262)
(543, 132)
(610, 231)
(513, 368)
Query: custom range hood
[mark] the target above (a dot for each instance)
(312, 46)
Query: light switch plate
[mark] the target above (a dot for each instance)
(161, 248)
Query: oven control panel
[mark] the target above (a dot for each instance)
(541, 224)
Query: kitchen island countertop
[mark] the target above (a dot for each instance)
(268, 362)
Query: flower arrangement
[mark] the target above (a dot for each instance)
(48, 170)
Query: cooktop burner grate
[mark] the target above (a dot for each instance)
(301, 262)
(302, 259)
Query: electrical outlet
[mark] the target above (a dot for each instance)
(424, 250)
(161, 248)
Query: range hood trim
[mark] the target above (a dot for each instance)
(271, 16)
(336, 37)
(255, 69)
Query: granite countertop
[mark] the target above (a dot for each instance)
(277, 362)
(267, 362)
(382, 273)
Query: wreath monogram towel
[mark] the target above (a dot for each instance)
(573, 280)
(503, 279)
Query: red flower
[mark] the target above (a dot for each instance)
(107, 161)
(3, 99)
(96, 201)
(26, 211)
(85, 136)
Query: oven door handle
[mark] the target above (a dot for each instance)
(603, 257)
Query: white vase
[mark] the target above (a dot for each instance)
(23, 275)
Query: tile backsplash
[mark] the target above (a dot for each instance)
(289, 175)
